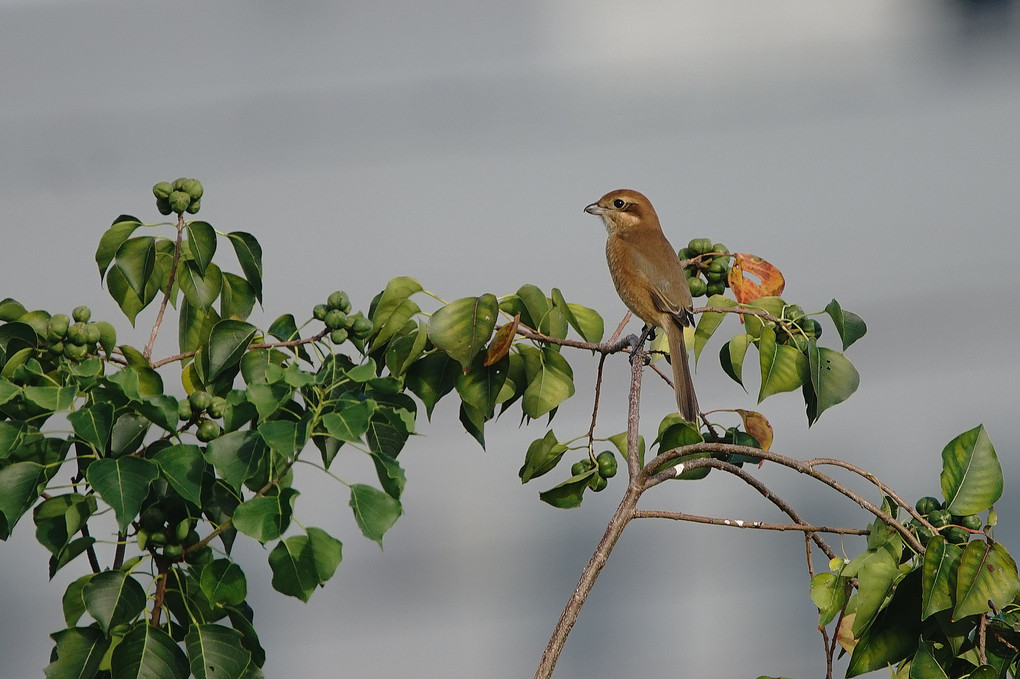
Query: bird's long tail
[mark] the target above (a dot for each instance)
(683, 385)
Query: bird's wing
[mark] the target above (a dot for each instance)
(667, 294)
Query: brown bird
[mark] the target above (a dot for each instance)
(649, 279)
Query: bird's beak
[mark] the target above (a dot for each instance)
(595, 209)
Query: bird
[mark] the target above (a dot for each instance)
(650, 280)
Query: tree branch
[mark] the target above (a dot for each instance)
(739, 523)
(147, 352)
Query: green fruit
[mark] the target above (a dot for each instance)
(719, 247)
(923, 535)
(173, 551)
(335, 319)
(92, 333)
(607, 464)
(597, 483)
(182, 529)
(715, 288)
(811, 327)
(581, 467)
(75, 352)
(972, 521)
(684, 253)
(81, 314)
(184, 409)
(57, 327)
(218, 407)
(700, 245)
(191, 538)
(200, 400)
(338, 336)
(179, 201)
(207, 431)
(339, 300)
(793, 313)
(162, 190)
(158, 538)
(195, 206)
(142, 537)
(718, 268)
(698, 287)
(77, 333)
(178, 184)
(939, 518)
(927, 505)
(802, 343)
(163, 205)
(319, 311)
(955, 535)
(193, 188)
(56, 349)
(362, 328)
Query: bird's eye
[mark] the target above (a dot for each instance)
(618, 203)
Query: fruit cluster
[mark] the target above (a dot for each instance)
(182, 195)
(604, 466)
(955, 529)
(706, 275)
(195, 408)
(336, 314)
(800, 328)
(170, 535)
(72, 340)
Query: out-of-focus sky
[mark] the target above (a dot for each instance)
(869, 149)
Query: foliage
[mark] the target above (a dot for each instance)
(152, 484)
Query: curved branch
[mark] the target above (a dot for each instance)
(738, 523)
(262, 345)
(147, 352)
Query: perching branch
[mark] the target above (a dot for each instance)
(147, 352)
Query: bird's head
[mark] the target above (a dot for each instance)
(623, 210)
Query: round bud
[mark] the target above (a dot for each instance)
(597, 483)
(715, 288)
(178, 184)
(162, 190)
(195, 206)
(193, 188)
(607, 464)
(92, 333)
(163, 205)
(972, 521)
(319, 311)
(927, 505)
(338, 336)
(335, 319)
(78, 334)
(179, 201)
(580, 467)
(200, 400)
(339, 300)
(207, 431)
(57, 327)
(698, 287)
(362, 328)
(218, 407)
(184, 410)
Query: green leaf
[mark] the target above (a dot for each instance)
(201, 243)
(293, 565)
(549, 384)
(709, 321)
(113, 598)
(350, 422)
(11, 309)
(542, 457)
(462, 328)
(8, 391)
(924, 665)
(431, 377)
(12, 436)
(374, 511)
(93, 424)
(200, 288)
(183, 467)
(285, 329)
(18, 491)
(833, 377)
(129, 301)
(227, 343)
(112, 239)
(620, 441)
(147, 651)
(879, 650)
(327, 552)
(136, 259)
(249, 255)
(588, 324)
(568, 494)
(58, 518)
(223, 582)
(51, 398)
(79, 652)
(783, 368)
(161, 410)
(265, 518)
(731, 357)
(267, 398)
(194, 326)
(481, 384)
(237, 298)
(391, 309)
(69, 553)
(404, 351)
(123, 484)
(678, 433)
(127, 434)
(72, 602)
(971, 476)
(876, 574)
(849, 325)
(938, 575)
(830, 593)
(216, 652)
(771, 305)
(236, 456)
(390, 473)
(987, 576)
(544, 317)
(284, 436)
(241, 618)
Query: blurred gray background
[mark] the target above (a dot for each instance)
(869, 149)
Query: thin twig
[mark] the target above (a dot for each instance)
(147, 352)
(118, 553)
(982, 628)
(90, 551)
(595, 407)
(739, 523)
(262, 345)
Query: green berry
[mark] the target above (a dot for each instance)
(597, 483)
(715, 288)
(972, 521)
(207, 431)
(57, 327)
(182, 530)
(955, 535)
(193, 188)
(580, 467)
(92, 333)
(163, 205)
(719, 247)
(339, 300)
(195, 206)
(607, 464)
(319, 311)
(335, 319)
(939, 518)
(218, 407)
(173, 551)
(362, 328)
(178, 184)
(77, 333)
(338, 336)
(184, 410)
(200, 400)
(179, 201)
(927, 505)
(698, 287)
(162, 190)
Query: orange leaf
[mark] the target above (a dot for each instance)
(757, 426)
(502, 341)
(745, 289)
